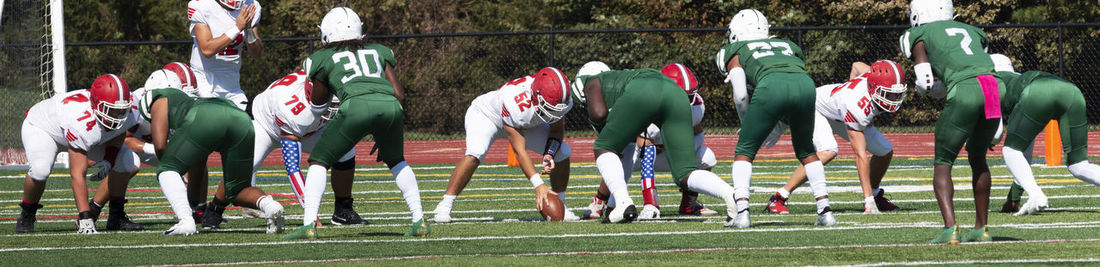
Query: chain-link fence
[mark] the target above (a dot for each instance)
(442, 73)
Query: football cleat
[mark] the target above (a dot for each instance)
(622, 214)
(212, 217)
(118, 220)
(307, 231)
(442, 214)
(247, 212)
(197, 211)
(649, 212)
(870, 206)
(275, 221)
(184, 227)
(739, 220)
(25, 224)
(826, 218)
(344, 213)
(568, 216)
(776, 205)
(1010, 206)
(689, 206)
(978, 235)
(883, 203)
(950, 235)
(96, 209)
(1032, 206)
(419, 228)
(595, 209)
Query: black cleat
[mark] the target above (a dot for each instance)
(1010, 206)
(212, 217)
(197, 211)
(25, 224)
(345, 214)
(117, 219)
(96, 209)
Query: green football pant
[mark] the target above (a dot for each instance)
(658, 100)
(780, 96)
(375, 114)
(214, 125)
(963, 121)
(1050, 99)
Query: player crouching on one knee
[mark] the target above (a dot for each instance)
(90, 124)
(1029, 101)
(283, 120)
(649, 150)
(620, 105)
(363, 76)
(198, 128)
(527, 111)
(847, 109)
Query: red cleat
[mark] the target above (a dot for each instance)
(883, 203)
(689, 206)
(776, 205)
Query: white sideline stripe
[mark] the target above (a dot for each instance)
(960, 262)
(621, 234)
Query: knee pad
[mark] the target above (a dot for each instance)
(706, 158)
(39, 172)
(345, 164)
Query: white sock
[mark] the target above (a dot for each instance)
(874, 192)
(268, 205)
(708, 183)
(612, 171)
(447, 202)
(315, 187)
(822, 204)
(1086, 171)
(783, 192)
(815, 173)
(406, 182)
(1021, 171)
(869, 200)
(171, 184)
(742, 174)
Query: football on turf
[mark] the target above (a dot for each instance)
(552, 210)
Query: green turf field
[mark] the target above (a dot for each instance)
(496, 224)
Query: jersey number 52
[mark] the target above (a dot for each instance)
(361, 63)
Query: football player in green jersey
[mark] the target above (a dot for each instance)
(621, 104)
(783, 92)
(955, 53)
(1031, 100)
(198, 128)
(362, 75)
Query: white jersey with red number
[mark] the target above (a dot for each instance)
(698, 108)
(219, 74)
(512, 103)
(848, 102)
(68, 119)
(284, 107)
(144, 129)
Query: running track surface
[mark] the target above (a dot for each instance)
(450, 151)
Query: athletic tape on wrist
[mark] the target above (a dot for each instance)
(536, 180)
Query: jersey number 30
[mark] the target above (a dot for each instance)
(361, 63)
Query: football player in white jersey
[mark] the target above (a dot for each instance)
(279, 121)
(847, 109)
(222, 29)
(528, 112)
(647, 151)
(89, 124)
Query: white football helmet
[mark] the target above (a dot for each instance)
(341, 24)
(1002, 63)
(333, 108)
(589, 69)
(748, 24)
(163, 79)
(925, 11)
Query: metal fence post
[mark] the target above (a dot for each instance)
(551, 49)
(1061, 54)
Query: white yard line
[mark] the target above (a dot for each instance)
(962, 262)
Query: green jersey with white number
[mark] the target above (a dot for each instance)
(352, 72)
(955, 50)
(179, 103)
(762, 57)
(1015, 83)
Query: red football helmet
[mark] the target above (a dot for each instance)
(886, 85)
(110, 100)
(187, 77)
(683, 77)
(551, 90)
(231, 4)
